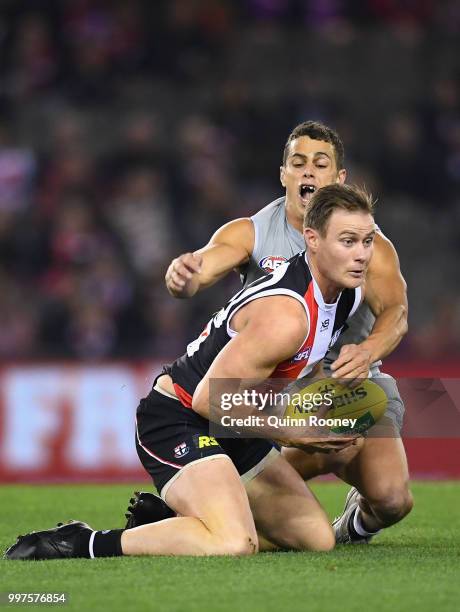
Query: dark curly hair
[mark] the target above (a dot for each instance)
(317, 131)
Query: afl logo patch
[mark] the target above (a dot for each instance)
(303, 355)
(271, 262)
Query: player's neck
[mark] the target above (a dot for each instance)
(293, 217)
(329, 290)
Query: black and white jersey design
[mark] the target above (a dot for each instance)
(294, 279)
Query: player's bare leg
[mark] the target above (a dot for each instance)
(217, 521)
(380, 474)
(215, 516)
(309, 465)
(286, 513)
(377, 468)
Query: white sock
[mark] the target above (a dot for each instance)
(91, 544)
(358, 525)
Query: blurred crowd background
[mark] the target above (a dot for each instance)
(131, 130)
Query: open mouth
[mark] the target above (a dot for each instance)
(306, 191)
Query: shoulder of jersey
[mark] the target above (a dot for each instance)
(271, 207)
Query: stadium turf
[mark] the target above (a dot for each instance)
(413, 566)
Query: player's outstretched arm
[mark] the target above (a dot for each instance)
(386, 294)
(230, 247)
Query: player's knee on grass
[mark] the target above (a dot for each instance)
(235, 540)
(238, 546)
(391, 506)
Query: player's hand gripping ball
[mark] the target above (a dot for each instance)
(365, 403)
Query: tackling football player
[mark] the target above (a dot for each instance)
(313, 157)
(268, 330)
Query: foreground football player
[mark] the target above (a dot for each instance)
(314, 157)
(268, 330)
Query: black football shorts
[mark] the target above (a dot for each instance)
(170, 437)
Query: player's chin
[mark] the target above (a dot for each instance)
(352, 280)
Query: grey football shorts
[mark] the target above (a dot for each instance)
(395, 406)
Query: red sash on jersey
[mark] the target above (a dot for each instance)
(290, 368)
(184, 397)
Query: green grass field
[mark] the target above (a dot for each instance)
(413, 566)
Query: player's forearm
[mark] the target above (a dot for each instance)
(389, 329)
(190, 273)
(225, 403)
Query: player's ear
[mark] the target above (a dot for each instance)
(282, 173)
(341, 176)
(311, 237)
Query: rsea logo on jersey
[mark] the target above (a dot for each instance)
(271, 262)
(204, 441)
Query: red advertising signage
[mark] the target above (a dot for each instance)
(60, 423)
(76, 423)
